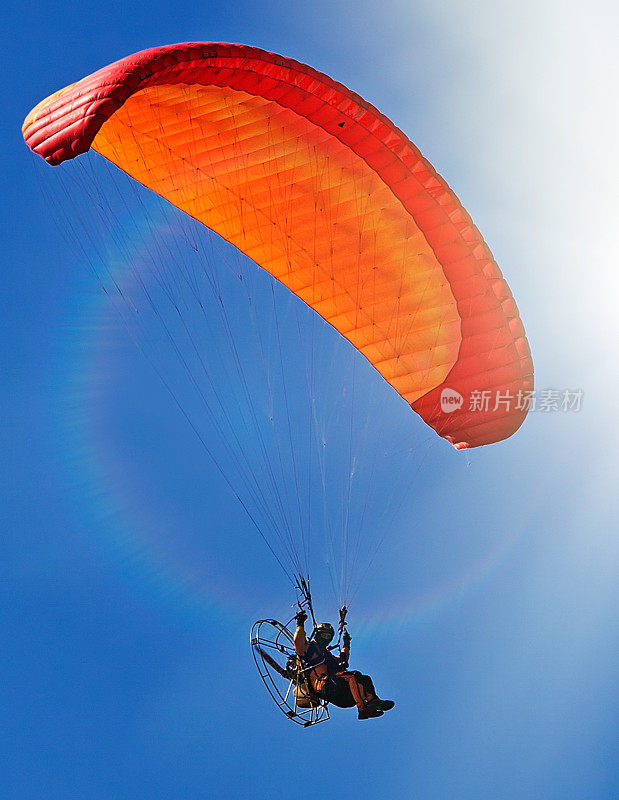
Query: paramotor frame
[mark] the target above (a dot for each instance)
(288, 684)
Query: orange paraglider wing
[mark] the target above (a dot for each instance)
(326, 194)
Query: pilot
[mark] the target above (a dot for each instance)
(329, 676)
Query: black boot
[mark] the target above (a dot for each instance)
(381, 705)
(367, 712)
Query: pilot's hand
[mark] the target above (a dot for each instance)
(300, 618)
(346, 638)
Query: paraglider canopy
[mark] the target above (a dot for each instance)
(327, 195)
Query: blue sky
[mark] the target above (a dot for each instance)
(130, 577)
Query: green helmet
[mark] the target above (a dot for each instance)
(323, 633)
